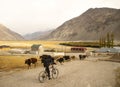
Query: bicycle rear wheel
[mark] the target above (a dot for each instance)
(42, 76)
(55, 73)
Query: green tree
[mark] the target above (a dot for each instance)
(108, 40)
(112, 40)
(100, 42)
(104, 42)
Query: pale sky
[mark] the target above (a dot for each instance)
(28, 16)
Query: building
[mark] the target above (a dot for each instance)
(78, 49)
(37, 49)
(110, 50)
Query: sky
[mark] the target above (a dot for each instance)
(29, 16)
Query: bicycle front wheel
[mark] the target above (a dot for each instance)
(55, 73)
(42, 76)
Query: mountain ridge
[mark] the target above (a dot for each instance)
(90, 25)
(7, 34)
(39, 35)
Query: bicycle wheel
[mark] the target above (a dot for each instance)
(55, 73)
(42, 76)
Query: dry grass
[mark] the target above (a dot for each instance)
(27, 44)
(8, 62)
(46, 44)
(13, 62)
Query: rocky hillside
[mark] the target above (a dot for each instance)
(7, 34)
(37, 35)
(91, 25)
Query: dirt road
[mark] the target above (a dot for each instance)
(85, 73)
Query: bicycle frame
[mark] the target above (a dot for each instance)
(43, 75)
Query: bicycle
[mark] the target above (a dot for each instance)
(43, 75)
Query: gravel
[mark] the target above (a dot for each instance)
(76, 73)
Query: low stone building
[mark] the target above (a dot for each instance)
(37, 49)
(109, 50)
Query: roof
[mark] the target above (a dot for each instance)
(79, 48)
(112, 50)
(35, 47)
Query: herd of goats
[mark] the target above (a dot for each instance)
(59, 59)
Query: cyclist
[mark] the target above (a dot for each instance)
(47, 60)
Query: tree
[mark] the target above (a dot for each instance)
(108, 40)
(104, 42)
(112, 40)
(100, 42)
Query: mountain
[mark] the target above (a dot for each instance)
(7, 34)
(37, 35)
(91, 25)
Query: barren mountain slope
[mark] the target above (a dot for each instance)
(7, 34)
(37, 35)
(91, 25)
